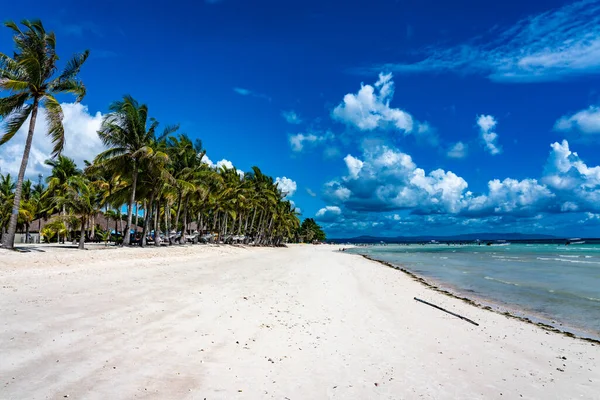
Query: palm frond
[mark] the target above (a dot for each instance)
(13, 85)
(14, 123)
(54, 117)
(13, 103)
(31, 65)
(9, 68)
(12, 25)
(73, 66)
(69, 86)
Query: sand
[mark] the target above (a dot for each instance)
(306, 322)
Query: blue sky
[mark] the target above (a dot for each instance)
(385, 117)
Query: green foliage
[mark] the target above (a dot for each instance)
(311, 231)
(29, 79)
(164, 172)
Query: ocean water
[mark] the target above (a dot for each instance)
(556, 284)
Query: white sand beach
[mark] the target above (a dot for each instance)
(306, 322)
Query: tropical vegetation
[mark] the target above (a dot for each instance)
(160, 176)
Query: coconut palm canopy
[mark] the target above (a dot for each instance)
(30, 80)
(159, 175)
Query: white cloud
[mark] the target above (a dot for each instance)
(224, 163)
(458, 150)
(294, 207)
(370, 109)
(291, 117)
(299, 141)
(286, 186)
(557, 44)
(337, 192)
(311, 193)
(585, 121)
(511, 195)
(354, 166)
(388, 179)
(486, 125)
(208, 161)
(328, 213)
(577, 183)
(385, 179)
(248, 92)
(81, 141)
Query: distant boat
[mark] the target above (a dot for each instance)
(574, 241)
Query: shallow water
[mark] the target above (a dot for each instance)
(552, 282)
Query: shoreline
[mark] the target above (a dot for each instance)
(510, 313)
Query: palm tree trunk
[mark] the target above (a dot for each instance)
(156, 223)
(146, 220)
(121, 222)
(167, 221)
(134, 174)
(9, 238)
(82, 238)
(93, 228)
(177, 214)
(107, 221)
(184, 228)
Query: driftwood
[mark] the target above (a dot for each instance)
(446, 311)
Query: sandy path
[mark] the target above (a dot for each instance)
(225, 323)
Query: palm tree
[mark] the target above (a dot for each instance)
(80, 198)
(29, 78)
(63, 169)
(128, 132)
(7, 187)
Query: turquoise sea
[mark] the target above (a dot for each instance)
(552, 283)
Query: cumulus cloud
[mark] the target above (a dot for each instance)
(328, 213)
(577, 183)
(286, 186)
(224, 163)
(294, 207)
(300, 141)
(354, 166)
(486, 124)
(81, 141)
(586, 122)
(388, 179)
(291, 117)
(554, 45)
(385, 179)
(458, 150)
(370, 109)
